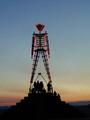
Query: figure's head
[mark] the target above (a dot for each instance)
(40, 27)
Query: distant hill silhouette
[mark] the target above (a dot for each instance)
(80, 103)
(4, 107)
(41, 106)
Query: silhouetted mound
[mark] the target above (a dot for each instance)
(42, 106)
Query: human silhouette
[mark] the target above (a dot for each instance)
(55, 93)
(49, 87)
(41, 86)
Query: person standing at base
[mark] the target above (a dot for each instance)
(49, 87)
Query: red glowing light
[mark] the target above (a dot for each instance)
(40, 27)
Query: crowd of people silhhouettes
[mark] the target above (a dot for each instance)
(38, 87)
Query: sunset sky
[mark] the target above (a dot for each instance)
(68, 25)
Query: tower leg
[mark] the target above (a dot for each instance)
(46, 64)
(35, 62)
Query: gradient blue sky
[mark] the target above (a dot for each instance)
(68, 26)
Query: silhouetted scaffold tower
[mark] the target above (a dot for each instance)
(40, 47)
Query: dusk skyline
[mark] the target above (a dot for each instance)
(68, 25)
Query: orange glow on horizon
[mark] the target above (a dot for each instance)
(11, 99)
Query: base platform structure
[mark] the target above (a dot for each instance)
(42, 105)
